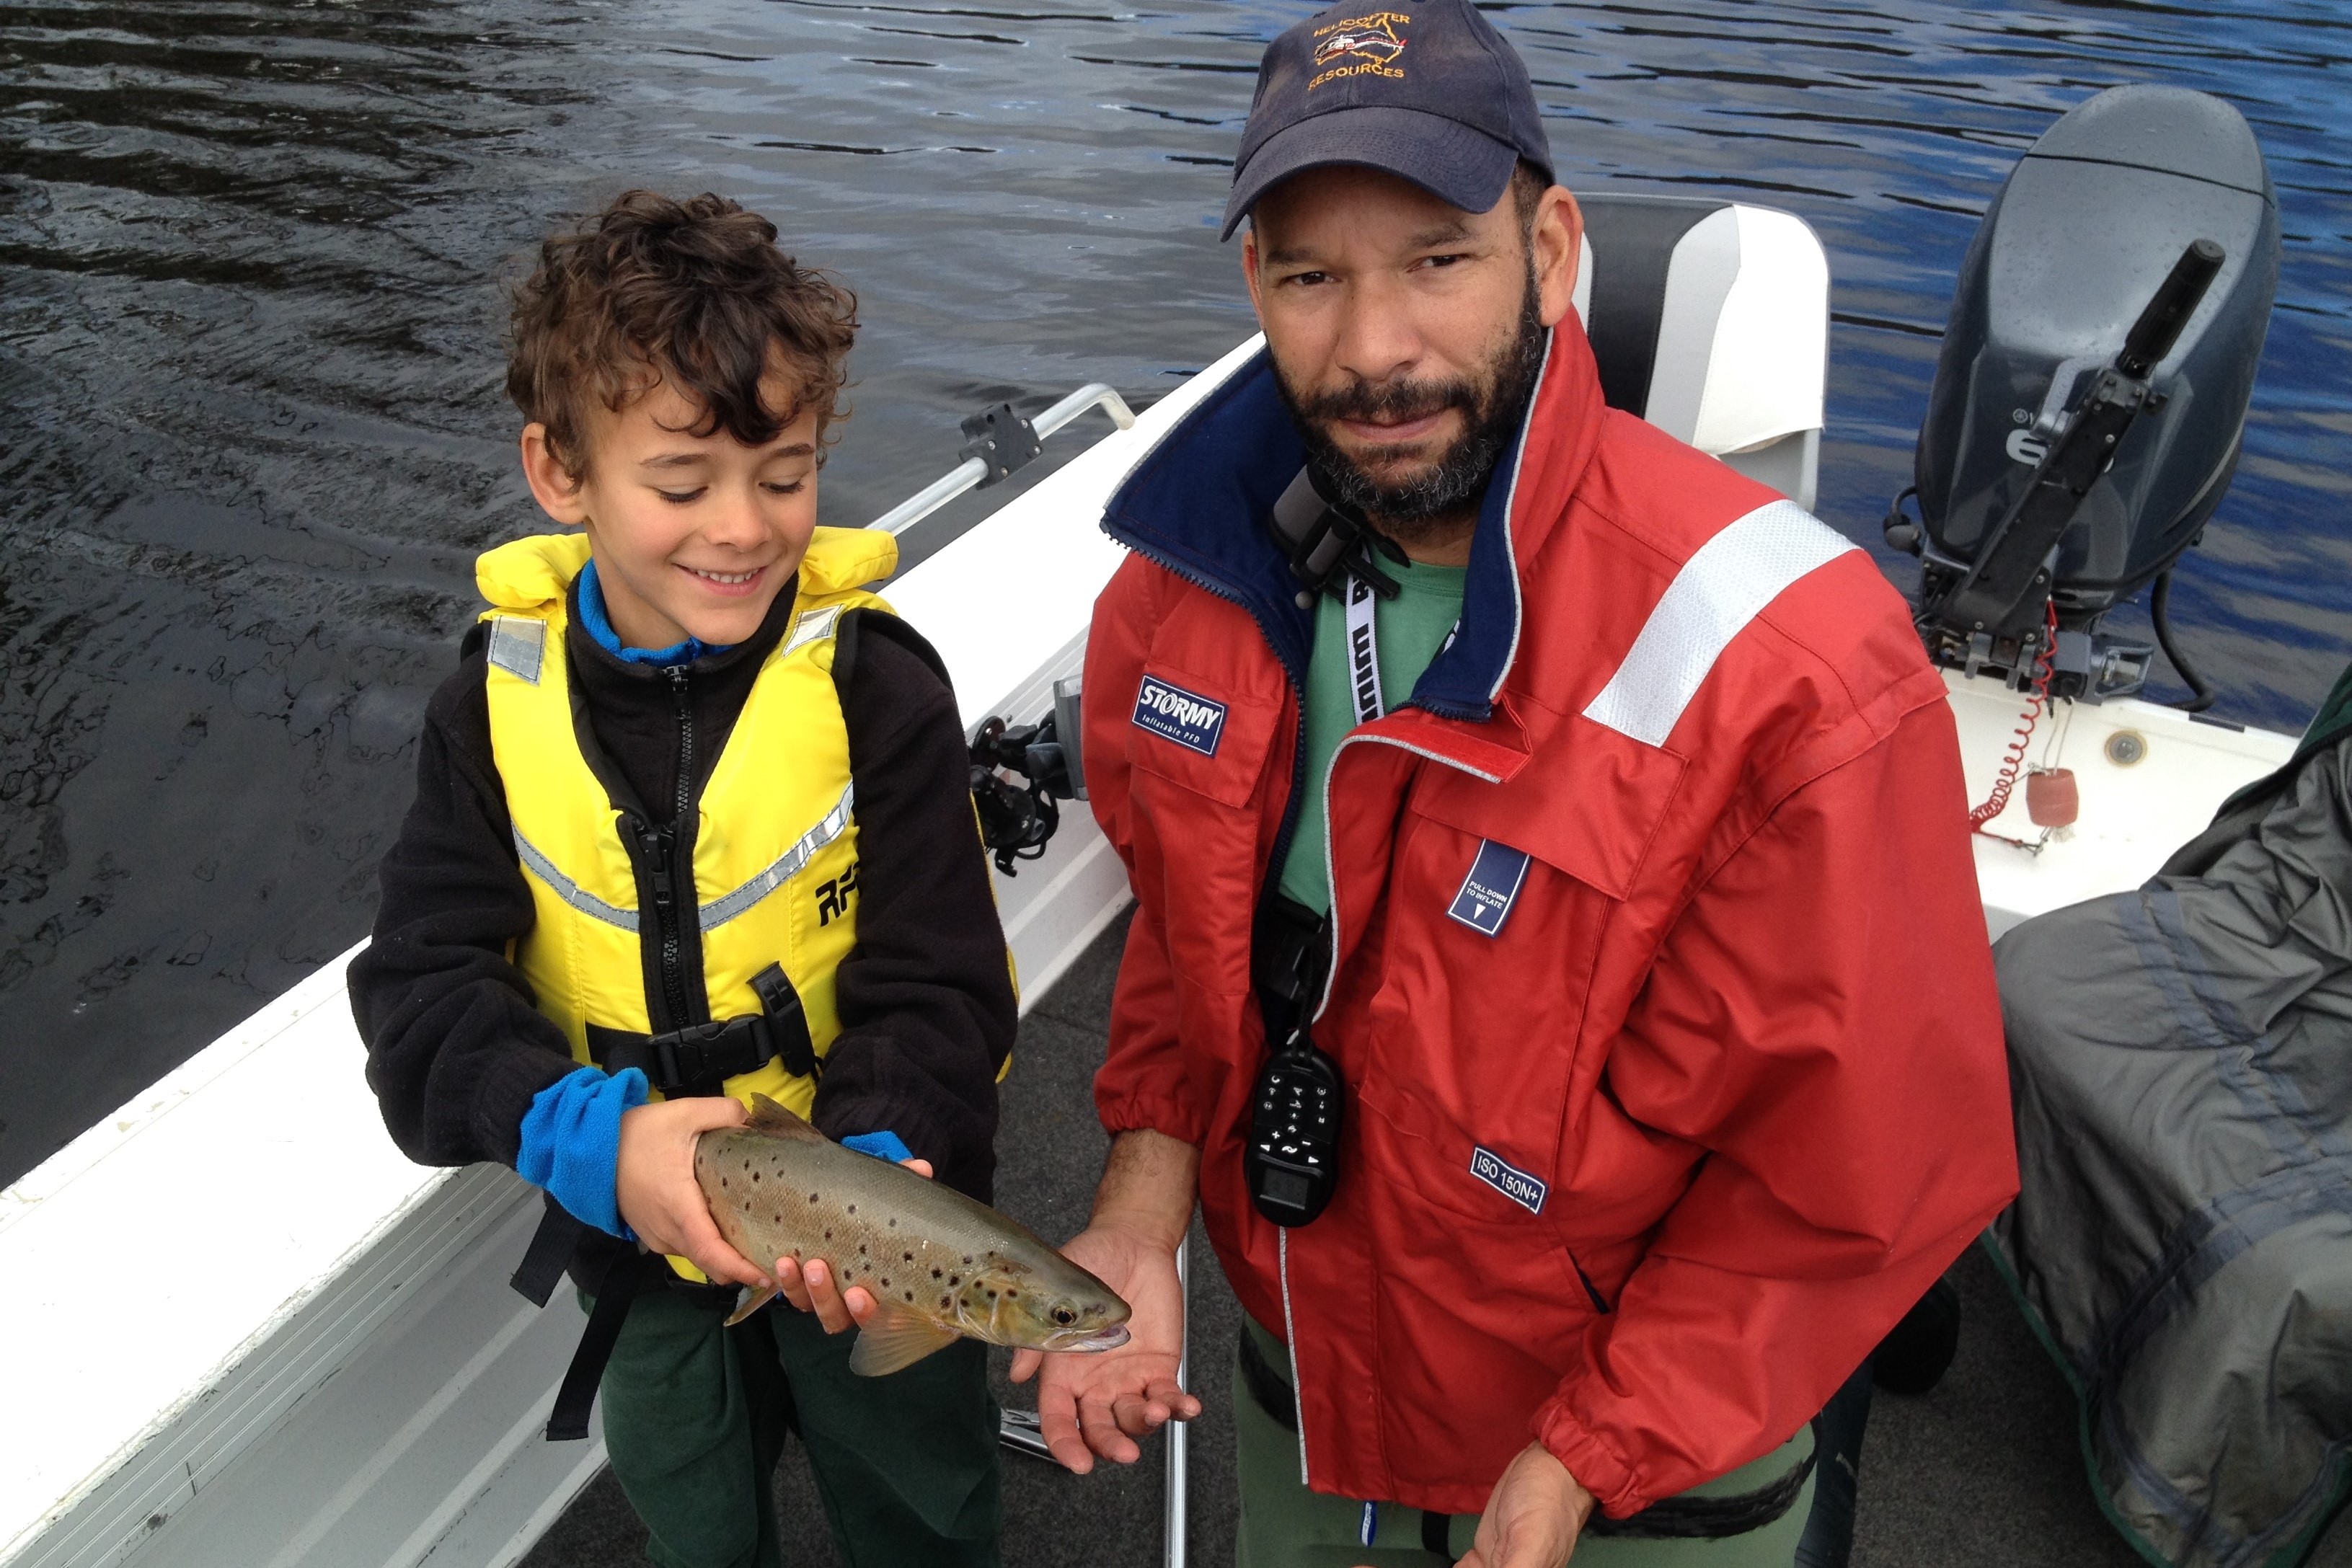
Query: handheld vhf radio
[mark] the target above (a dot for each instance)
(1293, 1154)
(1299, 1104)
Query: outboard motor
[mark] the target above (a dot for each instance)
(2092, 388)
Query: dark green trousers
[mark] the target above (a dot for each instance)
(1284, 1525)
(696, 1416)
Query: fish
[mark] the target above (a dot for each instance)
(939, 1266)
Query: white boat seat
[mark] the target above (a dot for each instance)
(1710, 320)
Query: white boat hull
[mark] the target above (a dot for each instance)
(2134, 813)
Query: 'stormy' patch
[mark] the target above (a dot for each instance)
(1171, 713)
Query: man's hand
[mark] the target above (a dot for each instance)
(1100, 1403)
(1533, 1516)
(812, 1288)
(654, 1183)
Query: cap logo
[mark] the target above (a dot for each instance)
(1365, 46)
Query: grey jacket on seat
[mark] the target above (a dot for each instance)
(2182, 1065)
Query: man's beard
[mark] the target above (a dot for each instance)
(1426, 505)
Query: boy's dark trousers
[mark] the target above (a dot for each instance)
(694, 1417)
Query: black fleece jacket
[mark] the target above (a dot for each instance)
(456, 1050)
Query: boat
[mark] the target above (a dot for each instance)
(347, 1377)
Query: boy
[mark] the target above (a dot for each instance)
(694, 809)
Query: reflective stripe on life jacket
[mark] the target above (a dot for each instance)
(775, 835)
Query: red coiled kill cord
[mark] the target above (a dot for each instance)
(2013, 762)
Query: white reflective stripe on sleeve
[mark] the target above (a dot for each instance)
(1717, 593)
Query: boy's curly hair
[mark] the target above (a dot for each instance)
(693, 292)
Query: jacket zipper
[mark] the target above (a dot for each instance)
(1289, 826)
(1290, 1343)
(660, 846)
(1273, 884)
(1331, 866)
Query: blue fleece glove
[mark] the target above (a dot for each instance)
(881, 1145)
(572, 1143)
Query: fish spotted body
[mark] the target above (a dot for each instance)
(938, 1265)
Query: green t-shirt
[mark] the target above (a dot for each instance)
(1410, 629)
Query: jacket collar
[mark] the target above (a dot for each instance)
(1200, 505)
(534, 572)
(541, 571)
(587, 652)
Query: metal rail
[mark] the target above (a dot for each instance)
(1018, 1430)
(1176, 1428)
(972, 470)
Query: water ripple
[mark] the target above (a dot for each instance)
(250, 262)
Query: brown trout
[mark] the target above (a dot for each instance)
(938, 1265)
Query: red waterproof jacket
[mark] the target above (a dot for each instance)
(1660, 986)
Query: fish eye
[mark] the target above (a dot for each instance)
(1063, 1316)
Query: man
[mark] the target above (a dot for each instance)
(1597, 819)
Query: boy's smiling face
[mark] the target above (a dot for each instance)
(694, 536)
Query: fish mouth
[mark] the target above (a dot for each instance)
(1110, 1338)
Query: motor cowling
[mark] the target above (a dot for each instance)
(2081, 237)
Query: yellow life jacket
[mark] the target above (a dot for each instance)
(776, 843)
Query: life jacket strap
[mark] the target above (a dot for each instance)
(1290, 949)
(1267, 1385)
(787, 1022)
(577, 1395)
(551, 1250)
(552, 1247)
(684, 1063)
(699, 1058)
(1709, 1518)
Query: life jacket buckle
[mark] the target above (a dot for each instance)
(700, 1058)
(1327, 542)
(694, 1060)
(697, 1054)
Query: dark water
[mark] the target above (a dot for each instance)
(249, 309)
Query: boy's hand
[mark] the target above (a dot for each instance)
(812, 1288)
(654, 1183)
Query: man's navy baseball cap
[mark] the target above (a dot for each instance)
(1428, 91)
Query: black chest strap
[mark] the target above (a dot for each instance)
(568, 1422)
(699, 1058)
(552, 1247)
